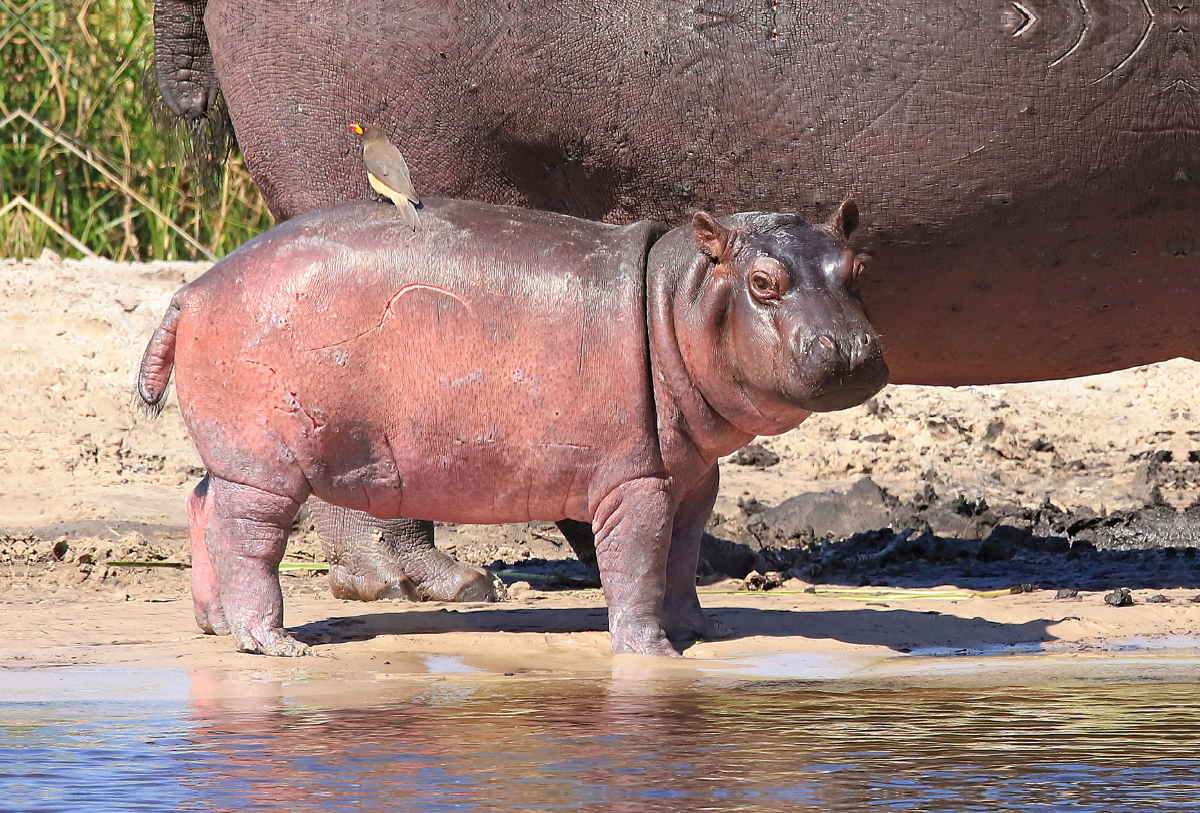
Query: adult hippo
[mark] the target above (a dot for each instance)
(1030, 168)
(500, 365)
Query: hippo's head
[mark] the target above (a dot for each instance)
(774, 328)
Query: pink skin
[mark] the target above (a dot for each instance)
(496, 366)
(206, 596)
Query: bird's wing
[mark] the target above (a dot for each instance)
(387, 164)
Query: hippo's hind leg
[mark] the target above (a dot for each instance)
(683, 618)
(371, 558)
(206, 596)
(247, 531)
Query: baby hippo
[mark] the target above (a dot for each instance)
(500, 365)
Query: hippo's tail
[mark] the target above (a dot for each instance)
(159, 359)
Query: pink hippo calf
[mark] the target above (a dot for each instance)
(500, 365)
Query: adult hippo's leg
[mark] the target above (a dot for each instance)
(583, 542)
(371, 559)
(247, 531)
(683, 618)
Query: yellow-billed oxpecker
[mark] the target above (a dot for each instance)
(388, 173)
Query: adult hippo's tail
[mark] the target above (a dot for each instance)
(159, 358)
(183, 59)
(183, 91)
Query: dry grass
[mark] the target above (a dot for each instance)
(85, 167)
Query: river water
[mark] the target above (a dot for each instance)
(1108, 741)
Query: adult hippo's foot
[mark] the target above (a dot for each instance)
(687, 623)
(238, 535)
(371, 559)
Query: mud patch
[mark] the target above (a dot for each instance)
(866, 536)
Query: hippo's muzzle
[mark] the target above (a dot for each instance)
(839, 370)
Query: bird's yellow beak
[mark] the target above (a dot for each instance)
(356, 127)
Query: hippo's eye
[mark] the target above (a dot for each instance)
(768, 280)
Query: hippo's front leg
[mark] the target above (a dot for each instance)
(683, 618)
(247, 533)
(633, 535)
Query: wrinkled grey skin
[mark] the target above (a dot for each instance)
(371, 559)
(1031, 170)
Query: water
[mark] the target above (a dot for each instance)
(173, 740)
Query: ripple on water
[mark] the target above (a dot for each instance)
(135, 741)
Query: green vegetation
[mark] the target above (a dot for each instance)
(86, 166)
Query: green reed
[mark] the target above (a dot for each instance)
(87, 165)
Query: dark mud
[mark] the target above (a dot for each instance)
(866, 536)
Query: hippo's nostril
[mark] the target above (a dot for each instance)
(866, 340)
(827, 341)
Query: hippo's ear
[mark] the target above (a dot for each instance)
(844, 221)
(711, 236)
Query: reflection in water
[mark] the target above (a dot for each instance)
(615, 745)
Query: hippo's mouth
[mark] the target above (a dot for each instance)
(846, 388)
(840, 398)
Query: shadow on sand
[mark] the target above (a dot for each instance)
(900, 630)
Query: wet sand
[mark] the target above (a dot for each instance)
(851, 634)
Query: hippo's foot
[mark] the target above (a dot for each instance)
(371, 581)
(639, 638)
(210, 618)
(206, 595)
(688, 623)
(372, 559)
(373, 577)
(270, 642)
(440, 577)
(245, 532)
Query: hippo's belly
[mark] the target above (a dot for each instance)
(1008, 303)
(497, 437)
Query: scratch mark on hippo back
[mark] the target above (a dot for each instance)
(1138, 47)
(389, 314)
(1083, 30)
(414, 286)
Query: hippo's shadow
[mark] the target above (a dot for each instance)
(423, 622)
(898, 629)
